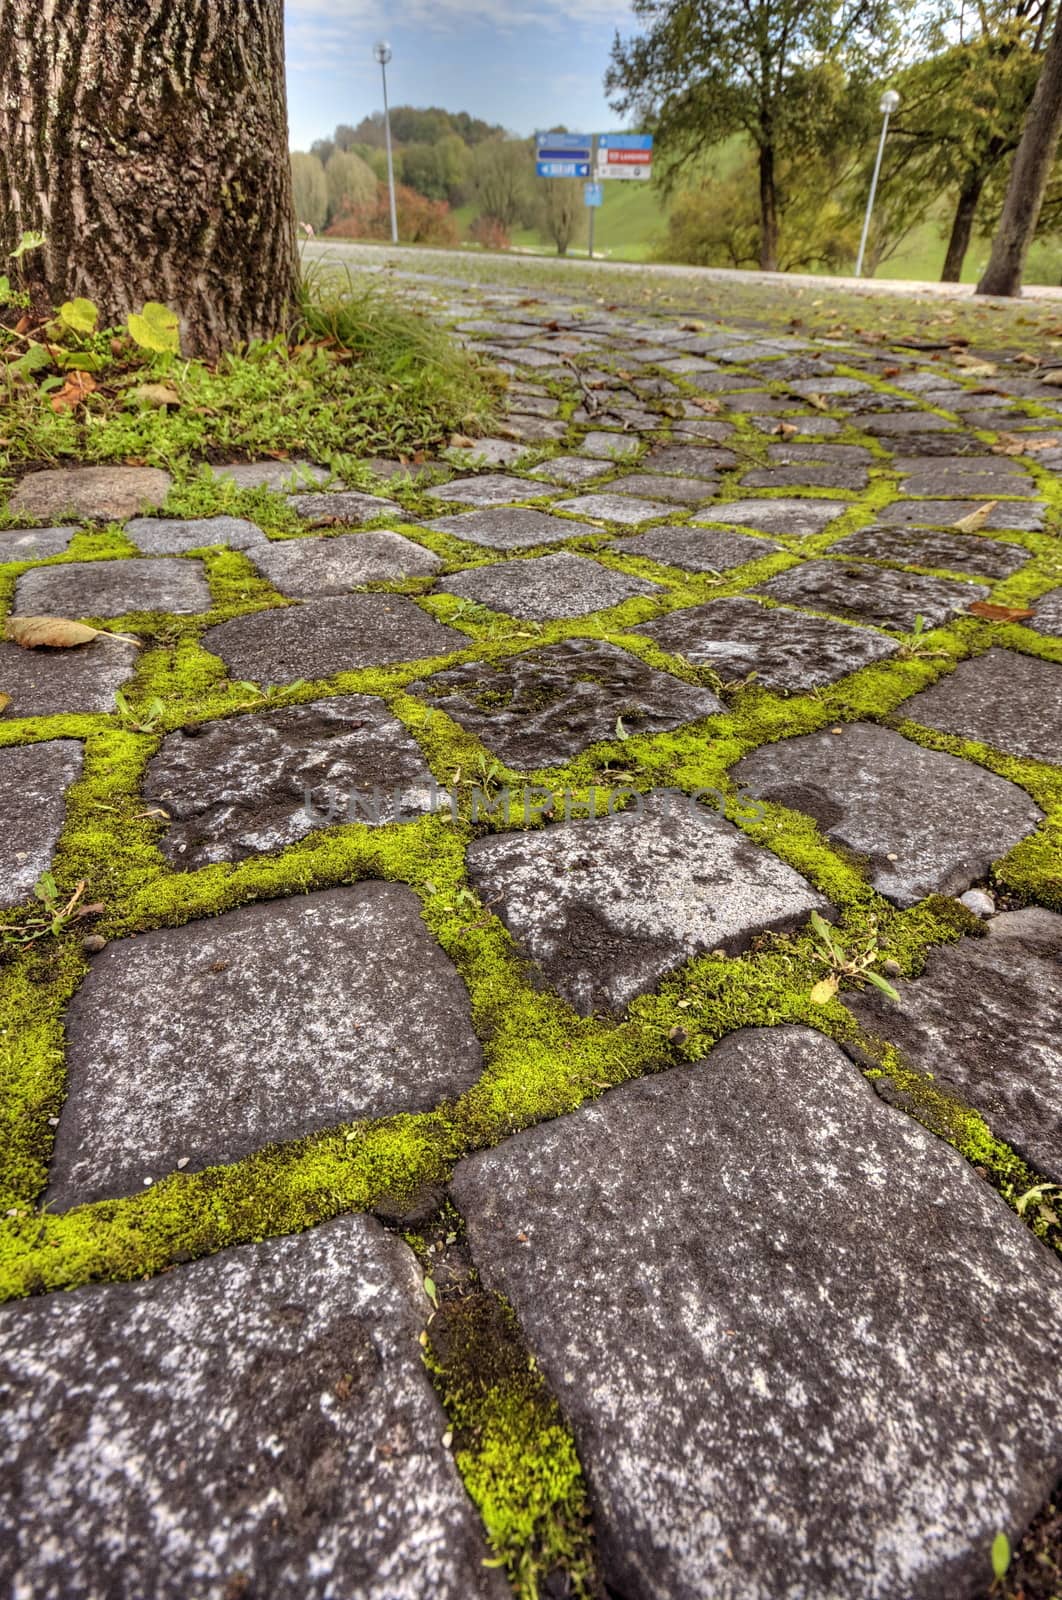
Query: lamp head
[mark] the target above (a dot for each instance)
(382, 51)
(890, 101)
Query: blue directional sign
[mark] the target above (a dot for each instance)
(594, 194)
(627, 141)
(563, 155)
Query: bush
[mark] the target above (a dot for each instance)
(489, 233)
(420, 221)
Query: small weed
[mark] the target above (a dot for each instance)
(842, 964)
(55, 915)
(145, 721)
(915, 646)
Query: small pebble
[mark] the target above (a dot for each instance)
(183, 1162)
(92, 943)
(979, 902)
(892, 856)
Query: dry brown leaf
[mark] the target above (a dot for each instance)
(976, 519)
(74, 391)
(56, 633)
(1053, 378)
(1027, 359)
(159, 396)
(824, 991)
(819, 401)
(461, 441)
(1009, 446)
(5, 701)
(997, 613)
(693, 326)
(786, 429)
(704, 402)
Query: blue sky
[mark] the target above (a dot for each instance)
(524, 63)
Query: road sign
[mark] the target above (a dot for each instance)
(593, 194)
(563, 155)
(624, 155)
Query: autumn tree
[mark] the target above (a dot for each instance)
(561, 205)
(147, 139)
(784, 73)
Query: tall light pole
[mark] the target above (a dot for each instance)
(889, 102)
(382, 51)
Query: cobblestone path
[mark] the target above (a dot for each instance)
(472, 1127)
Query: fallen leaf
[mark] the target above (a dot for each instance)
(891, 372)
(786, 429)
(704, 402)
(976, 519)
(158, 396)
(5, 701)
(461, 441)
(819, 401)
(1009, 446)
(78, 385)
(997, 613)
(1053, 378)
(56, 633)
(1027, 359)
(824, 991)
(693, 326)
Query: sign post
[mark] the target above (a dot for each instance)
(593, 196)
(563, 155)
(624, 155)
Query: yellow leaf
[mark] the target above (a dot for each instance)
(5, 701)
(55, 633)
(824, 991)
(976, 519)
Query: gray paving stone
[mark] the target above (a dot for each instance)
(609, 507)
(609, 446)
(492, 489)
(804, 1349)
(51, 683)
(814, 427)
(983, 1019)
(34, 779)
(301, 567)
(544, 588)
(34, 544)
(944, 820)
(1018, 515)
(811, 466)
(873, 594)
(698, 549)
(322, 637)
(786, 650)
(572, 471)
(1009, 701)
(794, 517)
(346, 506)
(541, 708)
(488, 453)
(606, 908)
(1048, 618)
(292, 476)
(205, 1042)
(517, 529)
(401, 471)
(688, 460)
(95, 494)
(983, 476)
(652, 486)
(958, 552)
(259, 782)
(172, 536)
(112, 588)
(910, 422)
(259, 1423)
(825, 385)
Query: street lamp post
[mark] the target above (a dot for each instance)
(889, 102)
(382, 51)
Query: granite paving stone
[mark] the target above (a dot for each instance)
(984, 476)
(94, 494)
(319, 638)
(1017, 515)
(301, 567)
(609, 446)
(517, 529)
(53, 683)
(292, 476)
(204, 1042)
(698, 549)
(572, 471)
(1009, 701)
(610, 507)
(688, 460)
(172, 536)
(260, 1422)
(606, 907)
(34, 779)
(873, 594)
(491, 489)
(1048, 618)
(654, 486)
(959, 552)
(785, 650)
(544, 588)
(823, 466)
(983, 1019)
(794, 517)
(543, 707)
(34, 544)
(261, 781)
(113, 588)
(804, 1349)
(346, 506)
(920, 821)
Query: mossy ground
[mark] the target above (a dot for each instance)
(541, 1059)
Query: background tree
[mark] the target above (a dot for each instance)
(501, 175)
(309, 189)
(561, 208)
(785, 73)
(350, 183)
(1028, 177)
(148, 140)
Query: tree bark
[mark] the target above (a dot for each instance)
(1029, 176)
(962, 226)
(768, 211)
(148, 140)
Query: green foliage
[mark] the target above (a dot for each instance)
(155, 328)
(350, 184)
(309, 190)
(1000, 1556)
(501, 175)
(561, 210)
(79, 316)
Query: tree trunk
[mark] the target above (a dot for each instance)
(962, 225)
(1028, 176)
(148, 140)
(768, 211)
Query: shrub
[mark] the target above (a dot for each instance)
(420, 221)
(489, 233)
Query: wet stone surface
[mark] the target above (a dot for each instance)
(920, 822)
(548, 587)
(542, 708)
(871, 594)
(958, 552)
(1009, 701)
(698, 549)
(730, 1418)
(34, 779)
(200, 1044)
(322, 637)
(983, 1019)
(51, 683)
(113, 588)
(518, 529)
(786, 650)
(302, 567)
(96, 494)
(257, 1423)
(259, 782)
(172, 536)
(605, 908)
